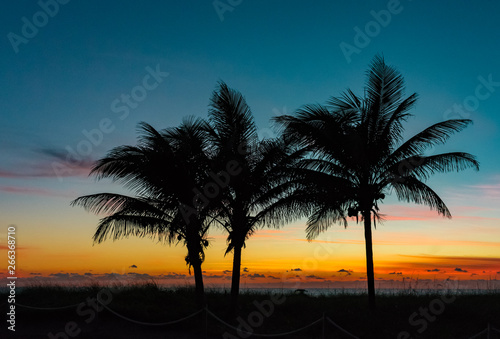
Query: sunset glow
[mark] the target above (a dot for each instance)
(65, 105)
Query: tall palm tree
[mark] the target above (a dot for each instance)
(357, 155)
(166, 172)
(251, 198)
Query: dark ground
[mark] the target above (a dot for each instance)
(459, 316)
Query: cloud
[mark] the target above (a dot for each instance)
(345, 271)
(434, 270)
(272, 277)
(32, 191)
(35, 273)
(50, 163)
(256, 275)
(397, 273)
(458, 269)
(449, 258)
(139, 275)
(59, 275)
(227, 271)
(312, 276)
(245, 269)
(296, 269)
(214, 276)
(132, 266)
(347, 241)
(172, 275)
(473, 274)
(113, 276)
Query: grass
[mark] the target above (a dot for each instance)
(461, 317)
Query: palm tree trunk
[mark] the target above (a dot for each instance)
(198, 284)
(235, 279)
(370, 276)
(195, 261)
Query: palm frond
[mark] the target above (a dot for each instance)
(231, 117)
(118, 225)
(410, 189)
(431, 136)
(423, 167)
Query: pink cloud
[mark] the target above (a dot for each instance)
(48, 170)
(491, 191)
(400, 212)
(32, 191)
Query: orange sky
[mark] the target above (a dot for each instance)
(412, 243)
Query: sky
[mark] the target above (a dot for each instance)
(78, 76)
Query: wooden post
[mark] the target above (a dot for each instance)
(324, 325)
(206, 321)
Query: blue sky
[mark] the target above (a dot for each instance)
(279, 54)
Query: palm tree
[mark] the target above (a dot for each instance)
(251, 198)
(357, 155)
(166, 172)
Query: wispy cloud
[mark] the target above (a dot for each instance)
(312, 276)
(49, 163)
(452, 258)
(33, 191)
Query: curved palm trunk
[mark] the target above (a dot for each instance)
(198, 281)
(195, 261)
(235, 279)
(370, 276)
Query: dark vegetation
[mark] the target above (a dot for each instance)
(464, 317)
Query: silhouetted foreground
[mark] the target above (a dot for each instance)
(147, 312)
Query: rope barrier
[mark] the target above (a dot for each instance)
(151, 324)
(479, 334)
(47, 308)
(262, 335)
(487, 330)
(340, 328)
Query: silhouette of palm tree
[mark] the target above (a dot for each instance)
(252, 197)
(166, 171)
(357, 155)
